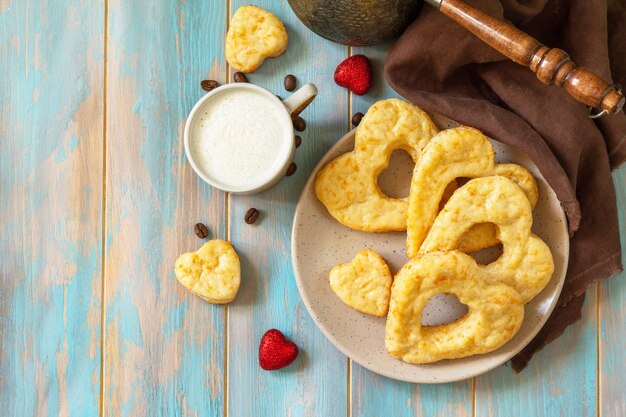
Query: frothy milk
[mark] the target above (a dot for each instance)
(238, 137)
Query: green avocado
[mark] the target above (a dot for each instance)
(357, 22)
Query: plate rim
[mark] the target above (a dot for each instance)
(321, 326)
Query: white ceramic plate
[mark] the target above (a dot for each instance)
(319, 243)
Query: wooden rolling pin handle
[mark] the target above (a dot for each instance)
(553, 66)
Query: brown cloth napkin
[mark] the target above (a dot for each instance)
(443, 68)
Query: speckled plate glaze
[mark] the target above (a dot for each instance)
(319, 242)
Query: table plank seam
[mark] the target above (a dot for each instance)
(104, 212)
(473, 396)
(349, 383)
(226, 307)
(598, 347)
(227, 214)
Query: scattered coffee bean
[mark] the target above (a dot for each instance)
(201, 230)
(299, 124)
(251, 215)
(208, 85)
(356, 119)
(298, 140)
(292, 169)
(240, 77)
(290, 82)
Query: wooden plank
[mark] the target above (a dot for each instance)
(560, 380)
(316, 383)
(613, 322)
(373, 395)
(51, 130)
(164, 347)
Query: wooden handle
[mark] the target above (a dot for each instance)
(552, 65)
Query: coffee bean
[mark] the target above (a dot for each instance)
(201, 230)
(208, 85)
(299, 124)
(356, 119)
(290, 82)
(240, 77)
(251, 215)
(292, 169)
(298, 140)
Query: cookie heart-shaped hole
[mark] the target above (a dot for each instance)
(488, 255)
(481, 235)
(395, 180)
(442, 309)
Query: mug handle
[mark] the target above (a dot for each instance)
(298, 101)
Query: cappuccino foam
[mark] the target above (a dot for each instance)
(238, 137)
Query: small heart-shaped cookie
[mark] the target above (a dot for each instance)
(275, 351)
(364, 284)
(254, 34)
(212, 272)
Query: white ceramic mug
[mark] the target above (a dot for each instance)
(240, 137)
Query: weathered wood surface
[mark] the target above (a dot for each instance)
(51, 122)
(612, 330)
(163, 347)
(97, 200)
(316, 384)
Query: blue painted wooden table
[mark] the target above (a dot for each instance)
(97, 200)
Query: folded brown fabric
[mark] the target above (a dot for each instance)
(441, 67)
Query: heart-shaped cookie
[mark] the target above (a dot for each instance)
(495, 311)
(212, 272)
(461, 152)
(254, 34)
(363, 284)
(348, 186)
(483, 235)
(526, 262)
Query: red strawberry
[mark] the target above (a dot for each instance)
(275, 351)
(355, 74)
